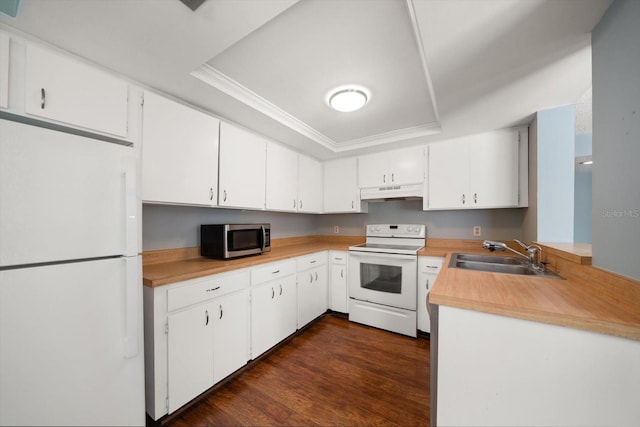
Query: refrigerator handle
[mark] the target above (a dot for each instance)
(131, 213)
(132, 295)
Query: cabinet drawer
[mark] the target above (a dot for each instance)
(310, 261)
(427, 264)
(197, 290)
(338, 258)
(272, 271)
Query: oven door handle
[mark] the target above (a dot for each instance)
(383, 256)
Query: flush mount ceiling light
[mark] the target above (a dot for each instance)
(348, 98)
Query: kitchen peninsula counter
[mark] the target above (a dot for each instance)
(588, 298)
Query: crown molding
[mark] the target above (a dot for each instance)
(231, 87)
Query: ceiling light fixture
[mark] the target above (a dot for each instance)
(348, 98)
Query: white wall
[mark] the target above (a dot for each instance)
(616, 140)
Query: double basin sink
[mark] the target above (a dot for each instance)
(498, 264)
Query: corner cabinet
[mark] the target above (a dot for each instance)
(486, 170)
(341, 191)
(179, 153)
(242, 169)
(397, 167)
(66, 90)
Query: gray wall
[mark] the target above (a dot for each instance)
(167, 227)
(616, 139)
(582, 200)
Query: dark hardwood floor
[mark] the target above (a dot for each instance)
(332, 373)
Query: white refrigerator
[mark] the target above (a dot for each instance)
(71, 340)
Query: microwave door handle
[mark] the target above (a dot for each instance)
(264, 238)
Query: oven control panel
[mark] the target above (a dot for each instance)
(397, 230)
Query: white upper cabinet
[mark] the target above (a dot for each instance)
(179, 153)
(480, 171)
(242, 168)
(282, 178)
(66, 90)
(310, 195)
(341, 192)
(397, 167)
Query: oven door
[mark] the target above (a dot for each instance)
(388, 279)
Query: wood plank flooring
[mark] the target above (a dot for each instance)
(332, 373)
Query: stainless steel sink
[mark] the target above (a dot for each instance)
(498, 264)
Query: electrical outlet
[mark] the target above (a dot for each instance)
(477, 231)
(336, 229)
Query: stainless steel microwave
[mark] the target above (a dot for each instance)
(224, 241)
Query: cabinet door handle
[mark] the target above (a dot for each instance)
(475, 197)
(310, 277)
(221, 311)
(210, 193)
(224, 197)
(273, 293)
(393, 178)
(206, 316)
(384, 178)
(342, 273)
(463, 199)
(300, 204)
(427, 284)
(316, 275)
(280, 289)
(352, 204)
(43, 98)
(294, 203)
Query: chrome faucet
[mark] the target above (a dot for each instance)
(534, 252)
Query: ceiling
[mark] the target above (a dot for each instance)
(435, 69)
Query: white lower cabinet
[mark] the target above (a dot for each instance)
(273, 305)
(428, 269)
(196, 334)
(190, 354)
(339, 296)
(312, 287)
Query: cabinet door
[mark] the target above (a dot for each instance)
(282, 178)
(310, 194)
(286, 311)
(69, 91)
(190, 353)
(312, 294)
(448, 180)
(231, 334)
(242, 168)
(179, 153)
(263, 313)
(341, 192)
(4, 71)
(373, 170)
(339, 287)
(494, 169)
(407, 166)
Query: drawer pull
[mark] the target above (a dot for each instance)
(275, 272)
(213, 289)
(338, 259)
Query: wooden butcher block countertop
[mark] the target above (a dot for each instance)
(588, 298)
(171, 266)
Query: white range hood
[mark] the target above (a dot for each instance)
(392, 192)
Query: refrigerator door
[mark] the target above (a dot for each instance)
(64, 197)
(67, 356)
